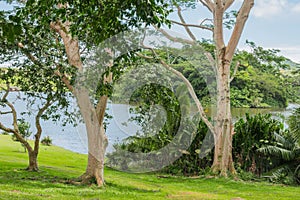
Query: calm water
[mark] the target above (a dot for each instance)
(74, 138)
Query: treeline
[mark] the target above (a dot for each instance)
(262, 77)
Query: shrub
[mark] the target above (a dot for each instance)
(252, 133)
(287, 151)
(47, 141)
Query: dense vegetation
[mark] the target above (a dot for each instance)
(263, 78)
(262, 148)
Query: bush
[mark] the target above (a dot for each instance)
(194, 161)
(47, 141)
(5, 133)
(287, 151)
(252, 133)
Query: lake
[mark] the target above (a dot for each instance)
(74, 138)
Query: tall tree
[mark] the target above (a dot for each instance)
(222, 129)
(75, 26)
(223, 161)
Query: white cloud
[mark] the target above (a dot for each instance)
(296, 8)
(269, 8)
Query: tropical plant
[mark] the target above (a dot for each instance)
(294, 124)
(286, 149)
(252, 133)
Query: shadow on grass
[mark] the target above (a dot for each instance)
(40, 179)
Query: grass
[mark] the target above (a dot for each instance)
(57, 166)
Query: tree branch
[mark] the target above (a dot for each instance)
(238, 28)
(5, 113)
(64, 79)
(235, 71)
(15, 130)
(187, 83)
(172, 38)
(102, 103)
(6, 93)
(191, 25)
(6, 129)
(218, 13)
(38, 124)
(228, 3)
(29, 55)
(211, 61)
(208, 3)
(71, 44)
(188, 30)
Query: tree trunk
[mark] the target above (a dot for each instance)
(97, 140)
(33, 164)
(95, 167)
(97, 143)
(223, 162)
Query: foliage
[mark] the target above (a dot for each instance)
(149, 100)
(150, 139)
(259, 82)
(47, 141)
(252, 133)
(24, 129)
(294, 124)
(287, 150)
(197, 158)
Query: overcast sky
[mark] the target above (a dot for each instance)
(272, 24)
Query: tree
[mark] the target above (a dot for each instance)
(40, 90)
(260, 81)
(72, 27)
(286, 149)
(222, 128)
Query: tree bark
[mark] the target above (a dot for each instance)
(223, 162)
(97, 140)
(32, 152)
(33, 163)
(95, 166)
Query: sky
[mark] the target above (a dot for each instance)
(272, 24)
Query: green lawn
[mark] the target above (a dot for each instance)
(58, 166)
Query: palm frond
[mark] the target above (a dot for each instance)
(277, 151)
